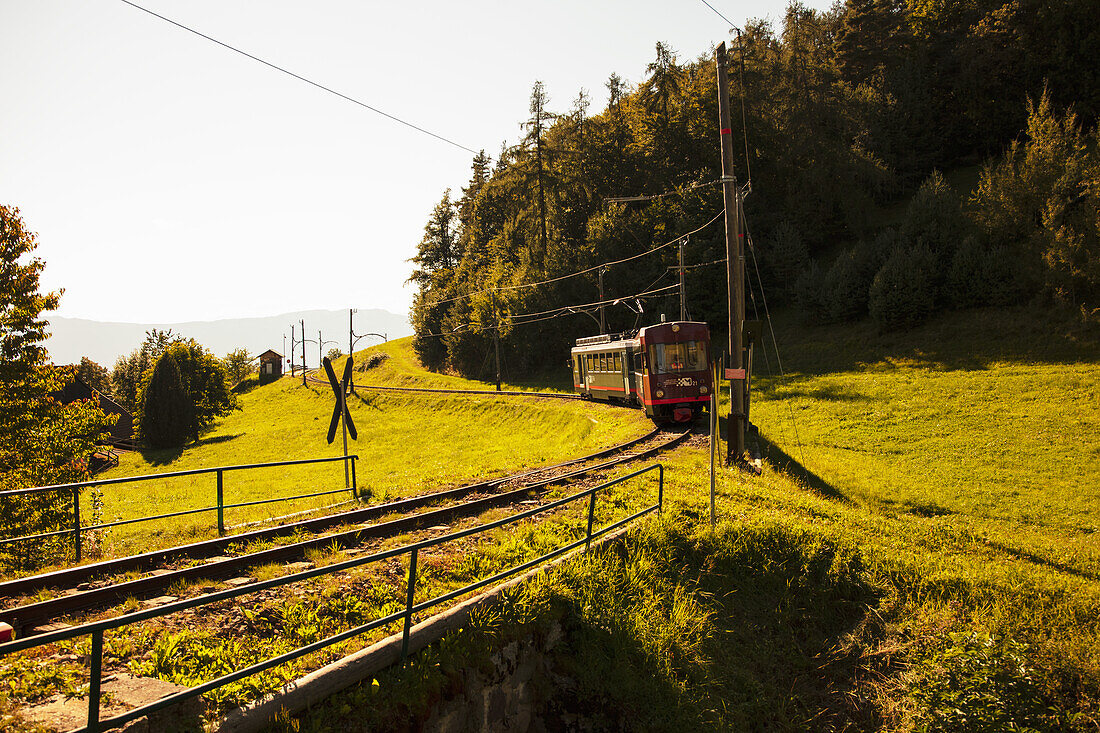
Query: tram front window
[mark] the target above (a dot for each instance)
(690, 356)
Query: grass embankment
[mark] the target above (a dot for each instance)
(408, 443)
(923, 556)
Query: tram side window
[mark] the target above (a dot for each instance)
(618, 363)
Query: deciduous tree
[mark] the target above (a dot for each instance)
(41, 441)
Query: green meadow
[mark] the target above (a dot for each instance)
(407, 444)
(919, 553)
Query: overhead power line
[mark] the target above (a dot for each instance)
(579, 272)
(560, 312)
(663, 194)
(302, 78)
(731, 24)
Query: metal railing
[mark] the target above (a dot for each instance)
(96, 629)
(219, 507)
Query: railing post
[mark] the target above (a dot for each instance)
(221, 505)
(95, 681)
(76, 523)
(660, 488)
(409, 605)
(354, 487)
(591, 514)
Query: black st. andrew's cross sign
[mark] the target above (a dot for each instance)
(340, 389)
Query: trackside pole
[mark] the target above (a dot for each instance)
(344, 425)
(713, 436)
(735, 269)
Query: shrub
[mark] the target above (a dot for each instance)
(808, 294)
(845, 286)
(934, 216)
(787, 258)
(978, 682)
(903, 293)
(981, 275)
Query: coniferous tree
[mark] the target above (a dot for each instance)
(165, 406)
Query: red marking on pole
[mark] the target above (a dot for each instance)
(735, 374)
(726, 131)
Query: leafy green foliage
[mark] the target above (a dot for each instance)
(983, 275)
(238, 364)
(1041, 200)
(934, 218)
(130, 370)
(41, 441)
(169, 415)
(93, 375)
(981, 683)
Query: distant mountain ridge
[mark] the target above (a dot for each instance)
(103, 342)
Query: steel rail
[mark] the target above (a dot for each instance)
(97, 628)
(441, 390)
(27, 616)
(70, 577)
(170, 474)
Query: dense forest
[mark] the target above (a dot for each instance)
(845, 121)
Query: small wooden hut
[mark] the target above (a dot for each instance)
(271, 366)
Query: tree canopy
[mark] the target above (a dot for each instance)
(846, 112)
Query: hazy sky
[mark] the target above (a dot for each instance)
(170, 179)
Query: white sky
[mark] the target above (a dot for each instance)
(170, 179)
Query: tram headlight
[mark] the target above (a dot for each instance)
(660, 393)
(703, 389)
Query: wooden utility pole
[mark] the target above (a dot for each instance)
(496, 334)
(292, 350)
(735, 268)
(303, 322)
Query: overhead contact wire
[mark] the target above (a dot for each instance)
(522, 286)
(299, 77)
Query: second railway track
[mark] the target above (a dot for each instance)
(27, 616)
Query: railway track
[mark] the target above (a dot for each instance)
(311, 377)
(499, 492)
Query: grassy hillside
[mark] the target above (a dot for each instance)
(408, 443)
(923, 555)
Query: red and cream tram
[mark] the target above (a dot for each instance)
(664, 368)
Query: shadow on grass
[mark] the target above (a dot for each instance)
(779, 458)
(964, 340)
(742, 629)
(1044, 561)
(792, 387)
(364, 399)
(167, 456)
(776, 611)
